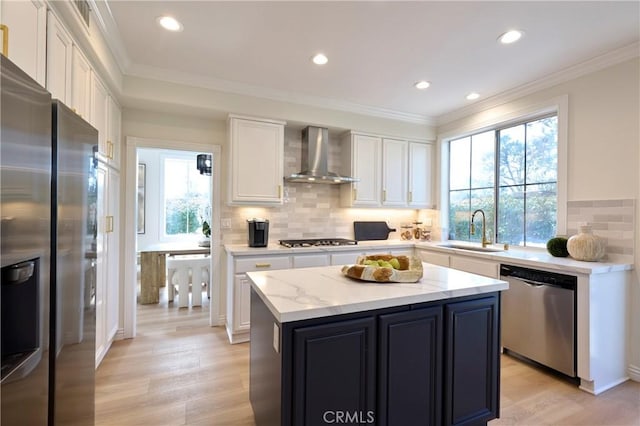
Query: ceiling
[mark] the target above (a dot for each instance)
(377, 50)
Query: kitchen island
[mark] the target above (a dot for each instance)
(329, 349)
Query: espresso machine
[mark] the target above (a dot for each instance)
(258, 232)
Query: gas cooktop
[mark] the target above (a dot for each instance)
(318, 242)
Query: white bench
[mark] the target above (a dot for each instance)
(184, 272)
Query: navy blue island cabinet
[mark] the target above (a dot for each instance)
(434, 363)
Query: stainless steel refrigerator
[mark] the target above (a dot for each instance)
(47, 250)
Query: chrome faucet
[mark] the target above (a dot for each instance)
(485, 242)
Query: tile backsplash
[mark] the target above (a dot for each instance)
(613, 220)
(313, 210)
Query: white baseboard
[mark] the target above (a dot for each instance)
(634, 372)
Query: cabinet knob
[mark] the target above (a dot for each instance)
(5, 39)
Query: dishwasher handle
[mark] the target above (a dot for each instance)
(534, 284)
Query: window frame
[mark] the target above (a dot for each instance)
(504, 117)
(162, 234)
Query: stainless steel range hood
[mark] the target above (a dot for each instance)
(315, 151)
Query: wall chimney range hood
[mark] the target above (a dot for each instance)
(315, 151)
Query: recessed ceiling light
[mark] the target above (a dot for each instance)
(473, 95)
(169, 23)
(510, 36)
(320, 59)
(422, 84)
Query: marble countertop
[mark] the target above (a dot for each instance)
(299, 294)
(536, 258)
(275, 248)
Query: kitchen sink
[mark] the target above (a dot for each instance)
(470, 247)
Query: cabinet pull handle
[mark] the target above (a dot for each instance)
(384, 195)
(110, 150)
(410, 196)
(355, 194)
(5, 40)
(109, 224)
(263, 265)
(279, 191)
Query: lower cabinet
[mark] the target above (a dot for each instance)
(430, 364)
(472, 362)
(410, 367)
(333, 371)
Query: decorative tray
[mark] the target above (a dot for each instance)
(385, 268)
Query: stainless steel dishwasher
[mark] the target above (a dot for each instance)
(539, 317)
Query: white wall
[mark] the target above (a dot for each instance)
(603, 149)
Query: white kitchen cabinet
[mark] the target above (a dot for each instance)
(362, 159)
(242, 307)
(239, 290)
(107, 259)
(114, 122)
(80, 84)
(25, 32)
(486, 268)
(348, 258)
(106, 118)
(256, 161)
(310, 260)
(420, 175)
(59, 60)
(98, 116)
(433, 257)
(395, 165)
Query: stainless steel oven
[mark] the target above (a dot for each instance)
(539, 317)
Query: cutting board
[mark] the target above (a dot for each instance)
(367, 231)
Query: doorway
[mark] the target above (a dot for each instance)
(138, 148)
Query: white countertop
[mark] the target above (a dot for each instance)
(536, 258)
(275, 248)
(298, 294)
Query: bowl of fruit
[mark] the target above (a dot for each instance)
(385, 268)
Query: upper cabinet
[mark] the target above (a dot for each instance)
(59, 54)
(362, 159)
(256, 161)
(395, 163)
(392, 172)
(420, 175)
(114, 125)
(80, 84)
(98, 114)
(24, 33)
(105, 116)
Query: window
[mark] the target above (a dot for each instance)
(186, 197)
(510, 173)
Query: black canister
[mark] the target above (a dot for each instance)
(258, 232)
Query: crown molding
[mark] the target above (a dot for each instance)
(109, 29)
(587, 67)
(228, 86)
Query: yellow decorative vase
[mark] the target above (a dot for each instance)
(586, 246)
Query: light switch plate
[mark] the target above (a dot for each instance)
(225, 223)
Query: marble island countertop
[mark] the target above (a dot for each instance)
(298, 294)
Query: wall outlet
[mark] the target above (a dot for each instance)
(225, 223)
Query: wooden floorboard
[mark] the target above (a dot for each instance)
(181, 371)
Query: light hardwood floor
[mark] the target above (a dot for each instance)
(180, 371)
